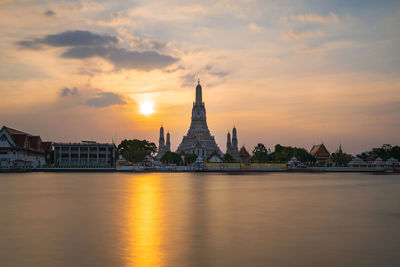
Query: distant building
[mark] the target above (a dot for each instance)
(214, 157)
(320, 153)
(244, 156)
(84, 154)
(163, 146)
(232, 146)
(21, 150)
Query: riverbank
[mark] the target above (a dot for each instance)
(212, 169)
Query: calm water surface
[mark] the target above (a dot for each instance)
(191, 219)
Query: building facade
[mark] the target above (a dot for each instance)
(321, 153)
(87, 154)
(20, 150)
(199, 140)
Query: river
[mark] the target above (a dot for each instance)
(199, 219)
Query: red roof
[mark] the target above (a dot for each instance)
(19, 139)
(34, 142)
(370, 158)
(44, 146)
(13, 131)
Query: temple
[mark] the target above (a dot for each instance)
(163, 146)
(232, 146)
(198, 140)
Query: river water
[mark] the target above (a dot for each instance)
(199, 219)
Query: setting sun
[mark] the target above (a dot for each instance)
(146, 107)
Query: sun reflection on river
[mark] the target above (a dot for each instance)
(144, 219)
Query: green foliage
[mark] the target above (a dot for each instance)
(340, 159)
(190, 158)
(260, 153)
(171, 157)
(136, 150)
(385, 152)
(228, 158)
(283, 154)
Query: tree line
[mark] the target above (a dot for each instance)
(137, 150)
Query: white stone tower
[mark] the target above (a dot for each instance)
(199, 139)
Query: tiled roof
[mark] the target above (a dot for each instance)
(13, 131)
(317, 149)
(33, 142)
(243, 152)
(214, 153)
(19, 139)
(44, 146)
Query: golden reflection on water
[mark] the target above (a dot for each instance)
(144, 222)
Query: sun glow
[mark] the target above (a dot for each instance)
(146, 107)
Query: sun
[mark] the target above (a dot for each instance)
(146, 107)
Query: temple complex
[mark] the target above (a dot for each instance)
(199, 140)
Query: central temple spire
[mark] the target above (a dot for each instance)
(199, 98)
(198, 140)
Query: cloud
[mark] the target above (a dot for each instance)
(68, 92)
(71, 38)
(105, 99)
(294, 34)
(254, 27)
(122, 58)
(188, 80)
(220, 73)
(49, 13)
(84, 44)
(116, 18)
(180, 67)
(332, 17)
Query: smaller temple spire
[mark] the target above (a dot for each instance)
(168, 143)
(234, 138)
(161, 140)
(199, 98)
(228, 142)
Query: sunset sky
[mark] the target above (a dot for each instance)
(289, 72)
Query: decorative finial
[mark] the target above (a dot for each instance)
(198, 80)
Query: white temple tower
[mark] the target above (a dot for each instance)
(198, 140)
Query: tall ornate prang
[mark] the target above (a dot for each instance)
(199, 139)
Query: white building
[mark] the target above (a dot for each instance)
(19, 150)
(85, 154)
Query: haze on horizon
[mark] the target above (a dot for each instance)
(289, 72)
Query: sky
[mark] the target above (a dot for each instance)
(283, 72)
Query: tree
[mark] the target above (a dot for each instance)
(385, 152)
(136, 150)
(340, 159)
(190, 158)
(283, 154)
(171, 157)
(228, 158)
(260, 153)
